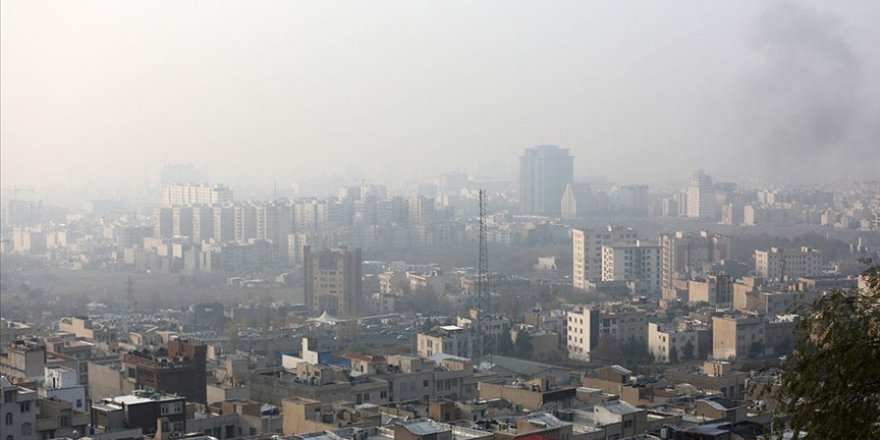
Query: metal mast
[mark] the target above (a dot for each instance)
(484, 296)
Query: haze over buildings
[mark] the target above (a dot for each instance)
(100, 96)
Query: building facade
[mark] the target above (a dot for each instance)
(685, 254)
(777, 264)
(587, 251)
(544, 171)
(332, 280)
(701, 197)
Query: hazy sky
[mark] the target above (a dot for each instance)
(257, 90)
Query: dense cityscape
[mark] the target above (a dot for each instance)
(408, 220)
(373, 314)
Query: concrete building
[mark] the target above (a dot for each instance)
(139, 414)
(737, 336)
(670, 345)
(181, 372)
(586, 326)
(635, 263)
(715, 376)
(778, 264)
(63, 384)
(716, 290)
(544, 171)
(685, 254)
(84, 327)
(583, 333)
(587, 251)
(189, 194)
(421, 210)
(18, 407)
(29, 241)
(701, 197)
(447, 339)
(163, 223)
(24, 360)
(182, 221)
(577, 200)
(24, 212)
(332, 281)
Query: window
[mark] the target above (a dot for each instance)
(25, 407)
(65, 421)
(8, 396)
(79, 403)
(26, 429)
(8, 420)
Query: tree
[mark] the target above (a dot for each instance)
(673, 355)
(830, 385)
(523, 344)
(505, 345)
(756, 350)
(688, 351)
(607, 351)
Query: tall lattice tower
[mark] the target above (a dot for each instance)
(484, 296)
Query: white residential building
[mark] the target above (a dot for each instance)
(777, 264)
(189, 194)
(701, 197)
(447, 339)
(62, 383)
(18, 407)
(587, 251)
(583, 333)
(666, 344)
(633, 262)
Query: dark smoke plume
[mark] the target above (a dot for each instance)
(802, 99)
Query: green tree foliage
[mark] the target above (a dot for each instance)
(688, 351)
(830, 385)
(756, 350)
(505, 343)
(524, 345)
(673, 355)
(607, 351)
(234, 341)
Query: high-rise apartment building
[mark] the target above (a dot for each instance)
(203, 223)
(577, 200)
(223, 223)
(189, 194)
(587, 251)
(332, 280)
(685, 253)
(637, 262)
(24, 212)
(182, 221)
(421, 210)
(544, 171)
(716, 290)
(164, 223)
(701, 196)
(586, 326)
(777, 264)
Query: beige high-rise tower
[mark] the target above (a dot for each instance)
(332, 280)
